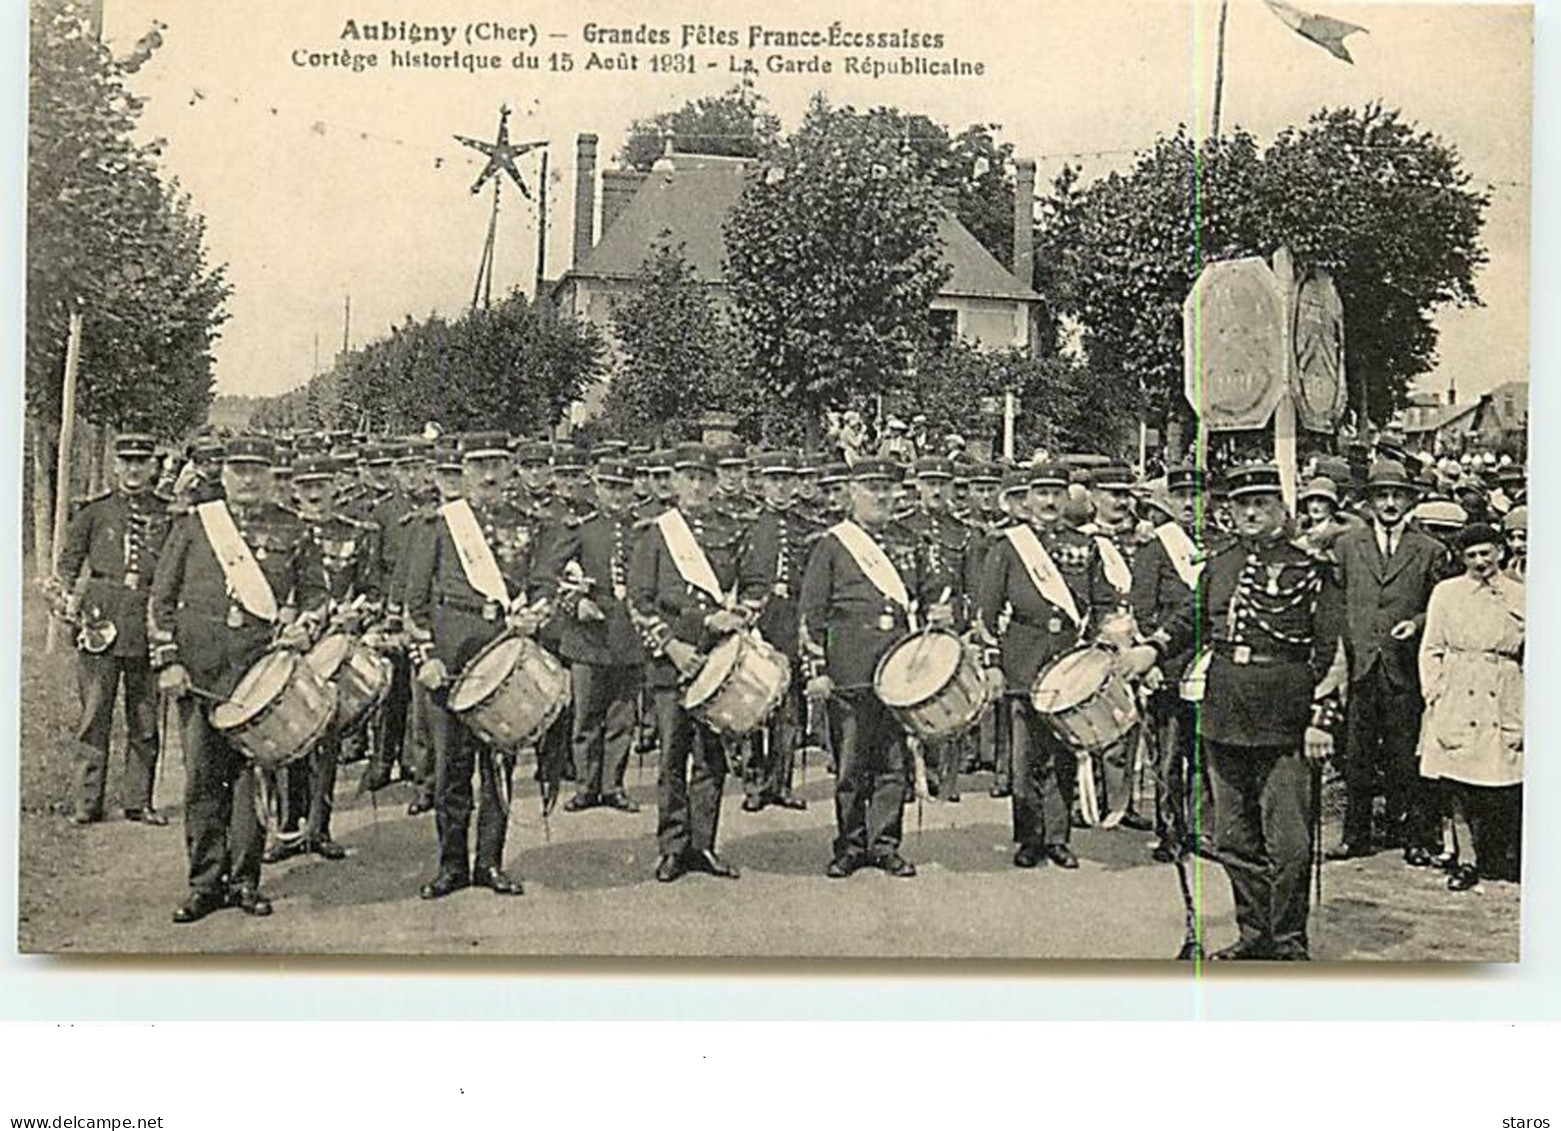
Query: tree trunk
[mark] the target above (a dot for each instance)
(43, 433)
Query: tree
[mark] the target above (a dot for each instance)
(104, 229)
(736, 123)
(677, 350)
(833, 261)
(1385, 208)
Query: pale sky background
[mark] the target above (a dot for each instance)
(319, 183)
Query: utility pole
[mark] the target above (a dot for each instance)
(1219, 70)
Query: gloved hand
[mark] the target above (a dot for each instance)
(294, 638)
(1154, 679)
(940, 616)
(1319, 745)
(820, 687)
(174, 680)
(433, 674)
(994, 682)
(525, 621)
(1137, 660)
(588, 609)
(685, 657)
(723, 622)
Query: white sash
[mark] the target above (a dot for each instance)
(1044, 574)
(873, 562)
(687, 554)
(1179, 547)
(471, 548)
(240, 570)
(1117, 571)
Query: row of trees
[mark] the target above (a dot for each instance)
(515, 365)
(107, 231)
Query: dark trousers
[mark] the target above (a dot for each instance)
(1263, 795)
(457, 752)
(994, 738)
(1494, 816)
(1184, 795)
(767, 775)
(603, 728)
(690, 780)
(97, 679)
(870, 780)
(420, 736)
(393, 718)
(223, 836)
(309, 791)
(1045, 776)
(1382, 729)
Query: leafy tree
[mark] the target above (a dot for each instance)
(833, 261)
(736, 123)
(1385, 208)
(677, 350)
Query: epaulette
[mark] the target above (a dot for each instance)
(88, 500)
(579, 520)
(646, 522)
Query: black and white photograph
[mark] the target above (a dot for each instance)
(721, 480)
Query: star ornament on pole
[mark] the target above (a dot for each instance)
(501, 154)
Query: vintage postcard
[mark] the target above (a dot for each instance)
(734, 480)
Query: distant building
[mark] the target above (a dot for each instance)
(686, 198)
(1494, 421)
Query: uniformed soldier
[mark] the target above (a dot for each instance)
(1114, 528)
(985, 519)
(948, 540)
(590, 569)
(682, 571)
(731, 484)
(1165, 574)
(1048, 579)
(200, 480)
(473, 579)
(105, 569)
(866, 578)
(1272, 614)
(1012, 499)
(237, 577)
(775, 559)
(349, 551)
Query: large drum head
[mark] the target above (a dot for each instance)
(487, 670)
(1072, 680)
(256, 691)
(917, 668)
(718, 666)
(327, 656)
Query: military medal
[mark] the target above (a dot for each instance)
(619, 591)
(235, 617)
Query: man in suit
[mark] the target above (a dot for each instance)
(866, 578)
(682, 573)
(1269, 612)
(237, 577)
(471, 577)
(1388, 570)
(589, 571)
(106, 566)
(1046, 579)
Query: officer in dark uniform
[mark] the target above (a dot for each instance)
(1012, 499)
(680, 621)
(1165, 572)
(948, 540)
(105, 568)
(391, 517)
(1040, 628)
(207, 630)
(1272, 613)
(349, 551)
(450, 621)
(854, 608)
(731, 483)
(775, 559)
(590, 567)
(986, 518)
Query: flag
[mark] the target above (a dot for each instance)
(1325, 31)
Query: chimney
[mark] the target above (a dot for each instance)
(585, 196)
(619, 187)
(1024, 220)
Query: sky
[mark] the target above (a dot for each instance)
(318, 182)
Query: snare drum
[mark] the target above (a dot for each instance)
(1085, 700)
(511, 692)
(742, 681)
(360, 675)
(278, 712)
(933, 684)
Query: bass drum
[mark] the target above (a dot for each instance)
(360, 675)
(278, 712)
(742, 681)
(933, 684)
(1085, 700)
(511, 692)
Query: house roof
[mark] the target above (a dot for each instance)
(689, 202)
(1440, 418)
